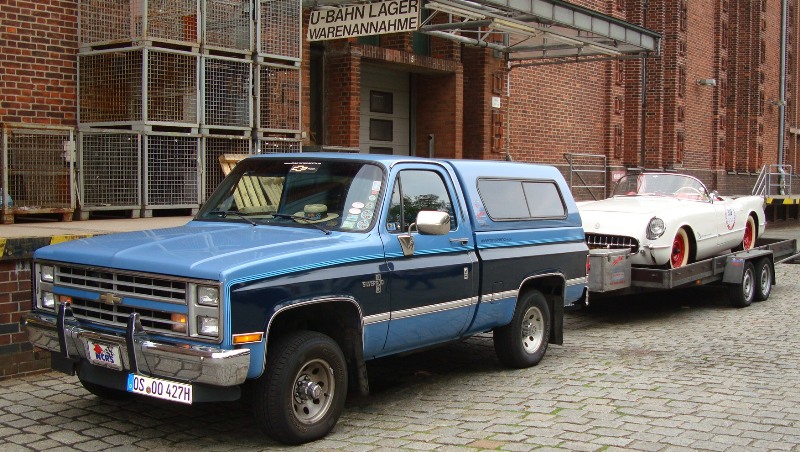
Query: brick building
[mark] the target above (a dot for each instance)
(712, 107)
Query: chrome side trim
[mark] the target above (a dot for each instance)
(376, 318)
(492, 297)
(446, 306)
(576, 281)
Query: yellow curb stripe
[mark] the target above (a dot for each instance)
(2, 247)
(66, 238)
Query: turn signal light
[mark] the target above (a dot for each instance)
(179, 325)
(247, 338)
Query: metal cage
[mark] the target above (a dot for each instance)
(279, 29)
(278, 98)
(275, 145)
(213, 148)
(138, 86)
(171, 176)
(227, 25)
(110, 176)
(106, 22)
(227, 88)
(37, 170)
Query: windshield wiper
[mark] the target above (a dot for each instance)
(225, 213)
(302, 218)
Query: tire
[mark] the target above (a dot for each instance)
(523, 342)
(104, 392)
(750, 235)
(302, 392)
(743, 293)
(763, 269)
(681, 248)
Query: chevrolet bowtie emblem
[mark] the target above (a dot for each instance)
(110, 298)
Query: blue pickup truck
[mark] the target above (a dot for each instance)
(301, 267)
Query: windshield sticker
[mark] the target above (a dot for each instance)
(352, 218)
(306, 167)
(355, 211)
(358, 205)
(348, 224)
(362, 224)
(370, 206)
(376, 185)
(367, 214)
(373, 198)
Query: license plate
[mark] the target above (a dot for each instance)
(160, 389)
(104, 355)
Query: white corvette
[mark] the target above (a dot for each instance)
(669, 220)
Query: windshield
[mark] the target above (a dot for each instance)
(334, 195)
(662, 184)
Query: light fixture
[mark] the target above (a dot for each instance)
(454, 10)
(707, 82)
(509, 26)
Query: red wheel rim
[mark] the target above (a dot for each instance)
(678, 251)
(747, 242)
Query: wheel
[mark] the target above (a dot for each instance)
(680, 249)
(104, 392)
(749, 239)
(742, 294)
(523, 342)
(763, 272)
(302, 392)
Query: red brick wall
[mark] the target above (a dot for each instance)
(38, 65)
(17, 356)
(440, 112)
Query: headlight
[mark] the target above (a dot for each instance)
(208, 326)
(47, 273)
(207, 296)
(48, 300)
(655, 228)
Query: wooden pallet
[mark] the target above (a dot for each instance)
(11, 215)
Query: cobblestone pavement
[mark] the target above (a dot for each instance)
(674, 371)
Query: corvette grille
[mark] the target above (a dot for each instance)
(605, 241)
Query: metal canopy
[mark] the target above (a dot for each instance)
(535, 30)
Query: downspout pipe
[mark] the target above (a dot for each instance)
(782, 100)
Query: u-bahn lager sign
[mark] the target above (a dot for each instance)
(390, 16)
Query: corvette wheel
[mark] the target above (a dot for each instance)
(680, 249)
(749, 240)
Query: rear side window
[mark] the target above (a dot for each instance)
(510, 199)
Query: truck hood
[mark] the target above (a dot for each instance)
(206, 250)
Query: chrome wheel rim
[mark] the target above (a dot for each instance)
(313, 391)
(532, 333)
(747, 284)
(766, 280)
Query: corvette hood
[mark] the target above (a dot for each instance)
(640, 205)
(206, 250)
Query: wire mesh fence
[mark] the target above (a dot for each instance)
(278, 98)
(213, 148)
(279, 28)
(172, 87)
(172, 177)
(227, 24)
(104, 22)
(110, 178)
(37, 170)
(227, 87)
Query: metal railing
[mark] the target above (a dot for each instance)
(774, 179)
(587, 172)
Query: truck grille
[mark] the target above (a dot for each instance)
(140, 286)
(605, 241)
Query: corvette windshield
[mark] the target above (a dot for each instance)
(661, 184)
(328, 195)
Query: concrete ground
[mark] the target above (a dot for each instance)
(679, 370)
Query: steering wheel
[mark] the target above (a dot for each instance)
(692, 191)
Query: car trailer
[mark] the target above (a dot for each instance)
(749, 275)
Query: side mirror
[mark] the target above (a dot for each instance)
(429, 222)
(713, 196)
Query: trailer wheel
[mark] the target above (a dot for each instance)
(302, 392)
(764, 279)
(523, 342)
(743, 293)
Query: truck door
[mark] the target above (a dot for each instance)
(434, 291)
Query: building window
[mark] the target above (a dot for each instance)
(682, 47)
(381, 102)
(619, 78)
(680, 147)
(722, 122)
(682, 81)
(724, 6)
(617, 141)
(381, 129)
(681, 113)
(617, 105)
(724, 35)
(684, 16)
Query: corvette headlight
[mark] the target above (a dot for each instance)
(655, 228)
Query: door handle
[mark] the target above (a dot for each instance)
(462, 241)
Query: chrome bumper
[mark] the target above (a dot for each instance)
(187, 363)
